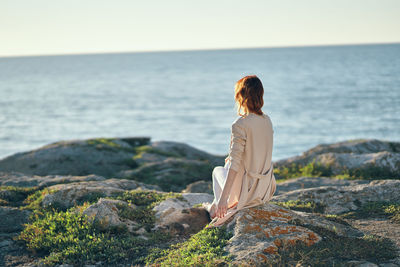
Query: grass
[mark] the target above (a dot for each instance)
(68, 236)
(204, 248)
(334, 250)
(295, 170)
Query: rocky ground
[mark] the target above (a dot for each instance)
(133, 202)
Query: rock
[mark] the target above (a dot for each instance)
(368, 157)
(171, 174)
(197, 198)
(68, 195)
(149, 157)
(12, 219)
(388, 264)
(199, 187)
(23, 180)
(105, 214)
(172, 165)
(356, 146)
(313, 182)
(179, 216)
(259, 231)
(185, 221)
(339, 199)
(188, 152)
(368, 264)
(100, 156)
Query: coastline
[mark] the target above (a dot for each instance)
(134, 193)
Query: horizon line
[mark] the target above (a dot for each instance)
(197, 50)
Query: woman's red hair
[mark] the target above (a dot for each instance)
(249, 93)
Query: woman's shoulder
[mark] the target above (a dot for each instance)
(250, 120)
(240, 120)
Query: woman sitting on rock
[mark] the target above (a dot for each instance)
(247, 178)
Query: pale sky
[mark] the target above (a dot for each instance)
(47, 27)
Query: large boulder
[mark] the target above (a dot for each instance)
(64, 196)
(367, 158)
(313, 182)
(181, 217)
(172, 165)
(101, 156)
(259, 231)
(199, 187)
(188, 152)
(23, 180)
(171, 174)
(339, 199)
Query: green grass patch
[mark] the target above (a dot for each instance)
(307, 206)
(68, 236)
(335, 250)
(204, 248)
(295, 170)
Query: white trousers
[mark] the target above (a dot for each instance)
(219, 176)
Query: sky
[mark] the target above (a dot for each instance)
(49, 27)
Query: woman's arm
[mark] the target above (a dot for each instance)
(238, 141)
(222, 205)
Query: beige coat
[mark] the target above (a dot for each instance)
(250, 154)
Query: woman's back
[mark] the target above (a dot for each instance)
(252, 142)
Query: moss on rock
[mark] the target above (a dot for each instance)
(149, 149)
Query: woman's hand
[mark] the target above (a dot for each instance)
(221, 208)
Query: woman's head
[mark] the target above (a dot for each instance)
(249, 93)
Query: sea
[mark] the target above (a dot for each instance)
(313, 95)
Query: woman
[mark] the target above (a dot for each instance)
(247, 179)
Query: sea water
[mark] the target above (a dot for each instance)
(313, 95)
